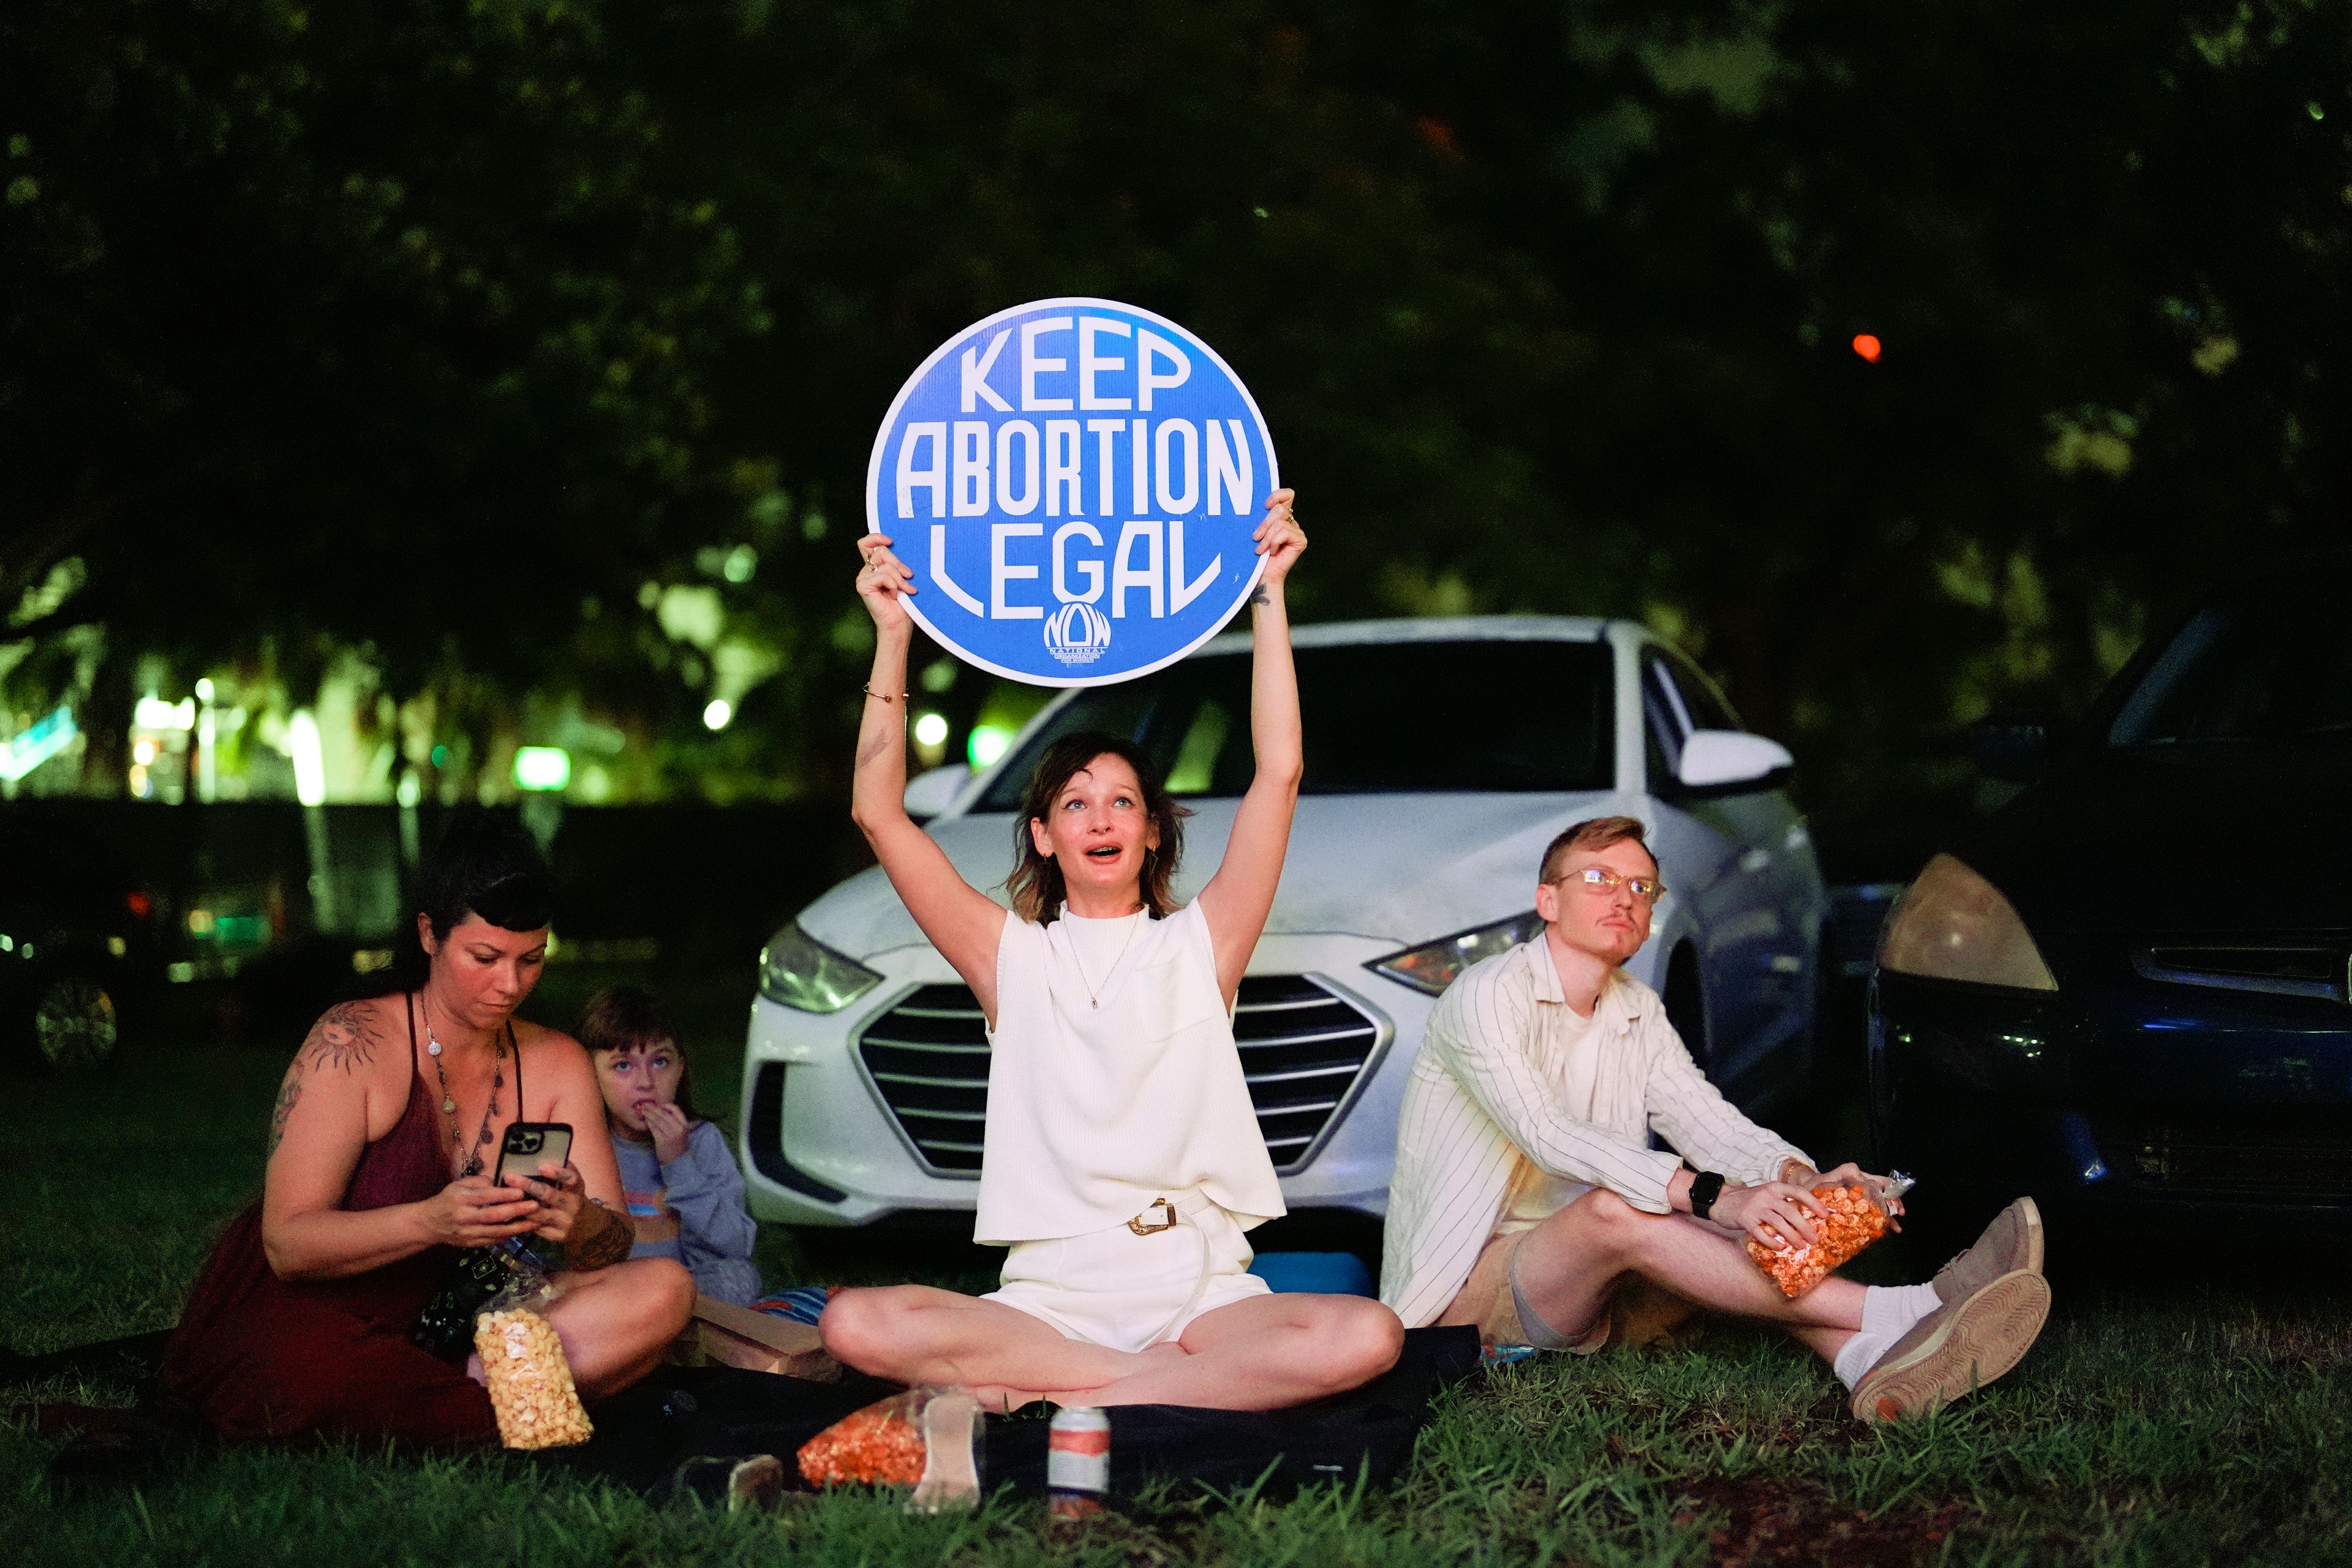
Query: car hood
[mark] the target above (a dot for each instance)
(2210, 838)
(1398, 868)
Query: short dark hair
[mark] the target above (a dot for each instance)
(485, 865)
(623, 1017)
(1036, 884)
(1593, 833)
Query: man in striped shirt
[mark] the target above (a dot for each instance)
(1526, 1191)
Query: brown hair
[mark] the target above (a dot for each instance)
(623, 1017)
(1593, 833)
(1036, 883)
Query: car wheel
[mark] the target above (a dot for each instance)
(74, 1022)
(1686, 1005)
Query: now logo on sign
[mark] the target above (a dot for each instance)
(1138, 506)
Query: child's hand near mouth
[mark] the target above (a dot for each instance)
(668, 1126)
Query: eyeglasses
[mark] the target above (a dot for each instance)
(1601, 879)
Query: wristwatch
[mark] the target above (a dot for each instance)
(1704, 1191)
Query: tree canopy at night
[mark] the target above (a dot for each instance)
(455, 333)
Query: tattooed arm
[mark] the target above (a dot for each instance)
(320, 1125)
(962, 921)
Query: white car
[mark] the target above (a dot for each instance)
(1442, 756)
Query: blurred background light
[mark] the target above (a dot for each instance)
(309, 757)
(931, 730)
(1868, 346)
(36, 744)
(542, 767)
(987, 743)
(154, 713)
(715, 717)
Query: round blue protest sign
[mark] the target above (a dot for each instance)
(1073, 484)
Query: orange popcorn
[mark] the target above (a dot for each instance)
(1855, 1221)
(878, 1444)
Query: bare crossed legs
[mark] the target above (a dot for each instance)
(1263, 1353)
(1569, 1265)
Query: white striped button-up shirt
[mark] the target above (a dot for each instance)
(1485, 1102)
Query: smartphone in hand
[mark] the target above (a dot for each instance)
(531, 1144)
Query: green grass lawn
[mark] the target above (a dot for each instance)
(2182, 1425)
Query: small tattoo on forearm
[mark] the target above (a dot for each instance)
(874, 749)
(599, 1238)
(1258, 595)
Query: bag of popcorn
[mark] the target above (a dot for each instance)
(1855, 1220)
(531, 1384)
(928, 1438)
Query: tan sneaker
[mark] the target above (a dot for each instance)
(1957, 1349)
(2010, 1243)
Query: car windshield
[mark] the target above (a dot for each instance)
(2269, 670)
(1381, 718)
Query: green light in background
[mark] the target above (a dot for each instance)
(542, 767)
(987, 743)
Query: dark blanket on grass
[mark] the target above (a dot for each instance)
(645, 1435)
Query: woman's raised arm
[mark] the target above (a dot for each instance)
(962, 922)
(1241, 895)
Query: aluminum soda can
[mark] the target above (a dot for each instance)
(1077, 1462)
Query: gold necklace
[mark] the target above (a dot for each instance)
(1093, 999)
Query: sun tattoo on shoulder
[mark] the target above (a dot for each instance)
(346, 1038)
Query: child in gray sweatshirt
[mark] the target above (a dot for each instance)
(680, 1179)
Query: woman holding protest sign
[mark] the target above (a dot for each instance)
(1123, 1161)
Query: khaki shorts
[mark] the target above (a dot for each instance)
(1635, 1314)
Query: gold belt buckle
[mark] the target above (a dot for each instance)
(1137, 1224)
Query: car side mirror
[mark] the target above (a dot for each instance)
(2014, 751)
(930, 794)
(1714, 758)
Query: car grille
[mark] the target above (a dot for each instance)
(2295, 1161)
(1302, 1047)
(2316, 972)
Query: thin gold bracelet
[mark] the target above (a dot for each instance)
(884, 695)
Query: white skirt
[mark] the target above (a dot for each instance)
(1125, 1292)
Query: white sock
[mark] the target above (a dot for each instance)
(1888, 1311)
(1891, 1309)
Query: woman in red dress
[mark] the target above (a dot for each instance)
(385, 1130)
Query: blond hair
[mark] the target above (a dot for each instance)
(1593, 833)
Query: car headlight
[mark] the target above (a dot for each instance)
(1952, 924)
(800, 971)
(1435, 965)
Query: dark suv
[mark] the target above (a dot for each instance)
(2126, 990)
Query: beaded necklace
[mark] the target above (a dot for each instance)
(473, 1166)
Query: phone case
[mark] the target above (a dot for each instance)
(531, 1144)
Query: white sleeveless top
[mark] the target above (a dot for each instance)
(1113, 1083)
